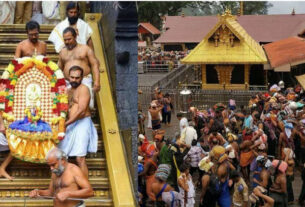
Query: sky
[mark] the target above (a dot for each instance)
(285, 7)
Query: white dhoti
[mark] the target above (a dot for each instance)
(3, 143)
(81, 138)
(87, 81)
(7, 12)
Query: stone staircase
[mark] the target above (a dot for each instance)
(29, 176)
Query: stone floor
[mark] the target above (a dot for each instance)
(148, 79)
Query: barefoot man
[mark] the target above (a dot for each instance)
(83, 56)
(29, 47)
(81, 136)
(32, 45)
(68, 184)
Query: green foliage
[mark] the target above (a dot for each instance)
(151, 11)
(214, 8)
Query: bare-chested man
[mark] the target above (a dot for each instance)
(32, 45)
(150, 168)
(67, 182)
(264, 175)
(82, 56)
(81, 136)
(154, 115)
(29, 47)
(278, 190)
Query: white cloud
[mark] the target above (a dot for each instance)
(286, 7)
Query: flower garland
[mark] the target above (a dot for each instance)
(33, 118)
(58, 87)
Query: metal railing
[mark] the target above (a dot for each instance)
(202, 99)
(158, 66)
(172, 79)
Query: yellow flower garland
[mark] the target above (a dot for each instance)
(31, 117)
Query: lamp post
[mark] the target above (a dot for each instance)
(186, 100)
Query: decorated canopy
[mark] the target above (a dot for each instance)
(34, 104)
(227, 43)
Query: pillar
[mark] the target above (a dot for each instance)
(203, 74)
(247, 73)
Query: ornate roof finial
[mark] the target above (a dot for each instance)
(293, 12)
(227, 15)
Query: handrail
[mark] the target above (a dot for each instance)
(119, 176)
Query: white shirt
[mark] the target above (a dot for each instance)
(189, 133)
(56, 36)
(183, 123)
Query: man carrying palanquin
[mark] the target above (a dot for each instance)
(32, 45)
(81, 135)
(28, 47)
(67, 182)
(82, 56)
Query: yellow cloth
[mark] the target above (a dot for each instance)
(217, 151)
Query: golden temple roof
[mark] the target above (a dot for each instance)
(227, 43)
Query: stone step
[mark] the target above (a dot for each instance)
(28, 184)
(20, 28)
(99, 154)
(11, 47)
(21, 202)
(17, 168)
(29, 176)
(93, 163)
(21, 193)
(17, 37)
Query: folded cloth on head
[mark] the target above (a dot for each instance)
(205, 164)
(282, 167)
(274, 88)
(163, 172)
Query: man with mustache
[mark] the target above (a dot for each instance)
(29, 47)
(32, 45)
(83, 30)
(82, 56)
(67, 182)
(81, 136)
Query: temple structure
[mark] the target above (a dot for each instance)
(227, 55)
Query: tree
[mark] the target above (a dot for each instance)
(214, 8)
(152, 11)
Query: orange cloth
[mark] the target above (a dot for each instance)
(246, 158)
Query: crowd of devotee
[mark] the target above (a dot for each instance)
(72, 40)
(155, 58)
(227, 154)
